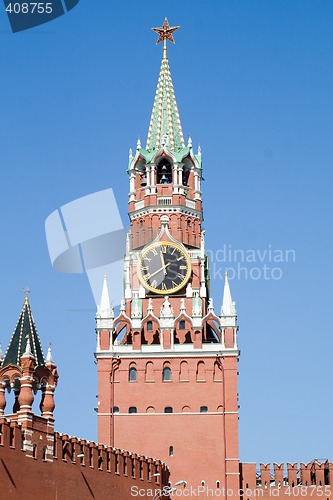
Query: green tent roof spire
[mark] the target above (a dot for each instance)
(25, 333)
(165, 126)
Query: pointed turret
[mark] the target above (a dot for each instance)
(228, 309)
(104, 309)
(227, 305)
(25, 340)
(104, 317)
(28, 352)
(165, 121)
(49, 359)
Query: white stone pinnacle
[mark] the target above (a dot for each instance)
(104, 308)
(49, 355)
(166, 309)
(227, 304)
(28, 348)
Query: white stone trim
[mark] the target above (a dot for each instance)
(142, 211)
(165, 353)
(139, 204)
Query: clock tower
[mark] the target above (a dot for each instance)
(167, 363)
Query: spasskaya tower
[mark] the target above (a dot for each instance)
(167, 364)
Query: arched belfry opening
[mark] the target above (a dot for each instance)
(141, 173)
(186, 170)
(164, 171)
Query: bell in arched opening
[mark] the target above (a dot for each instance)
(143, 180)
(164, 172)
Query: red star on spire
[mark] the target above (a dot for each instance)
(165, 32)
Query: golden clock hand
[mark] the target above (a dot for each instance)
(158, 270)
(163, 261)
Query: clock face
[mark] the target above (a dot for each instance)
(164, 267)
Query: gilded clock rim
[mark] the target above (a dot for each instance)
(169, 291)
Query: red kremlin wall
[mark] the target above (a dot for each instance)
(77, 469)
(309, 481)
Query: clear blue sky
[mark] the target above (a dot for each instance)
(253, 81)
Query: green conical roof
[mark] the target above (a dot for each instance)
(165, 121)
(25, 328)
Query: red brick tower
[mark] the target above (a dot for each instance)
(26, 372)
(167, 364)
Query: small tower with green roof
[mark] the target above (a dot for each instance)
(25, 371)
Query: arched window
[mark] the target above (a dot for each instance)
(170, 451)
(132, 409)
(168, 409)
(203, 409)
(182, 324)
(132, 374)
(167, 374)
(116, 409)
(149, 326)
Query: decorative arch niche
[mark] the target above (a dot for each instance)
(201, 371)
(149, 372)
(183, 373)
